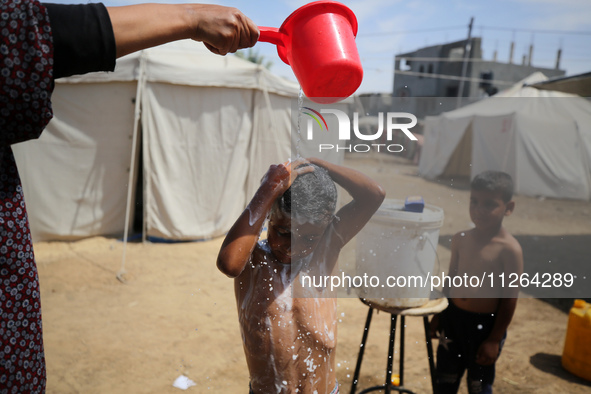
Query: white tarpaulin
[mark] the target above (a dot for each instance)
(541, 138)
(75, 175)
(210, 128)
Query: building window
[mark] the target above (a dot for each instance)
(421, 71)
(456, 54)
(452, 91)
(405, 64)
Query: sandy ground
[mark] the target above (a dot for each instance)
(176, 313)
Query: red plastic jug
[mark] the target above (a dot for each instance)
(318, 42)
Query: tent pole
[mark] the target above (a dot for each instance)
(130, 183)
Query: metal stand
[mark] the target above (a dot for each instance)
(388, 387)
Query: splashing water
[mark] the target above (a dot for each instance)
(253, 217)
(297, 334)
(299, 123)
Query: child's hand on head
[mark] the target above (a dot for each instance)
(298, 167)
(281, 176)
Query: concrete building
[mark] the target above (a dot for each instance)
(436, 71)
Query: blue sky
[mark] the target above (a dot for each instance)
(389, 27)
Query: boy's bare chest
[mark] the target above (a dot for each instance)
(271, 310)
(475, 258)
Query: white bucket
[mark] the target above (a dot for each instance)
(399, 248)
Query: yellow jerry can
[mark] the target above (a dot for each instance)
(576, 357)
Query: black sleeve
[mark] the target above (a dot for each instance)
(83, 39)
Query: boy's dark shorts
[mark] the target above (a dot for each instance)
(462, 333)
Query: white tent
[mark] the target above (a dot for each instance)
(541, 138)
(210, 127)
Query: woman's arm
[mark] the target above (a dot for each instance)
(89, 37)
(222, 29)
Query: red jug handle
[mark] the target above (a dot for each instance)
(271, 34)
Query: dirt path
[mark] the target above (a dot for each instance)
(176, 313)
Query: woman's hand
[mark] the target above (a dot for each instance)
(223, 29)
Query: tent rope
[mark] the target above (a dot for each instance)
(136, 121)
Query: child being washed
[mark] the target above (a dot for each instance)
(290, 341)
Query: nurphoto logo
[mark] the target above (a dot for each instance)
(392, 124)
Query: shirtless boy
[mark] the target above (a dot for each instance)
(289, 342)
(473, 327)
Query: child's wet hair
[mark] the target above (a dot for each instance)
(494, 181)
(312, 196)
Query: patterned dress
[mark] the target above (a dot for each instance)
(26, 83)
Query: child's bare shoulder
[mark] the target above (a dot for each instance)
(259, 255)
(462, 236)
(510, 244)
